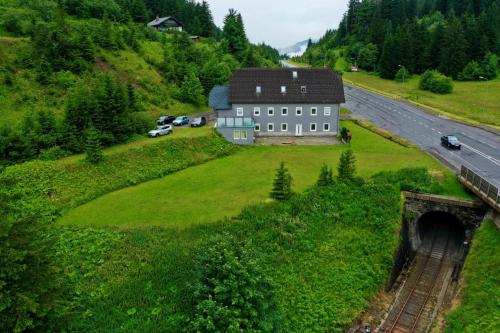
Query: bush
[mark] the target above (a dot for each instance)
(232, 293)
(471, 72)
(53, 154)
(436, 82)
(347, 166)
(402, 75)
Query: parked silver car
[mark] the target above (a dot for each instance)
(161, 130)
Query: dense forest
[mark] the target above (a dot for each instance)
(60, 49)
(459, 38)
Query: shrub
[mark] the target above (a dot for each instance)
(93, 146)
(53, 154)
(402, 75)
(325, 176)
(232, 293)
(471, 72)
(436, 82)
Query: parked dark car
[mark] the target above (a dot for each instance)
(164, 120)
(198, 122)
(179, 121)
(451, 142)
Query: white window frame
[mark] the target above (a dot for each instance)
(315, 108)
(270, 127)
(236, 135)
(257, 127)
(239, 112)
(256, 111)
(303, 89)
(286, 127)
(270, 111)
(258, 90)
(283, 89)
(244, 135)
(297, 109)
(327, 111)
(311, 127)
(285, 109)
(325, 125)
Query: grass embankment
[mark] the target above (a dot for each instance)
(476, 102)
(70, 182)
(480, 308)
(211, 191)
(322, 250)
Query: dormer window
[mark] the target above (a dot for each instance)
(295, 75)
(303, 89)
(283, 89)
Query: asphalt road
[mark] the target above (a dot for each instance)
(480, 149)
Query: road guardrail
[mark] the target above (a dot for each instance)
(484, 189)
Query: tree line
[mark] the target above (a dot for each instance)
(460, 38)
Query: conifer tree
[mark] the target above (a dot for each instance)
(325, 176)
(452, 56)
(93, 148)
(347, 166)
(282, 186)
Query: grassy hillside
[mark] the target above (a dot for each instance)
(221, 188)
(324, 269)
(480, 308)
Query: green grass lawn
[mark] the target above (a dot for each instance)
(478, 102)
(209, 192)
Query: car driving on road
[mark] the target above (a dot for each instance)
(165, 120)
(451, 142)
(179, 121)
(160, 130)
(198, 122)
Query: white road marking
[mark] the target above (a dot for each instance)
(488, 157)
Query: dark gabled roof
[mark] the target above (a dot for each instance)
(322, 86)
(218, 99)
(160, 20)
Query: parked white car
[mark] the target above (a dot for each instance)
(160, 130)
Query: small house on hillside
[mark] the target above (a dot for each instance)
(168, 23)
(284, 102)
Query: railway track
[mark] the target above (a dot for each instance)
(407, 311)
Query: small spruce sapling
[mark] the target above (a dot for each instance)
(347, 166)
(93, 148)
(282, 186)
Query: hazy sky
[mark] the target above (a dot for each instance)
(282, 23)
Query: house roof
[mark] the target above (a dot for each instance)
(218, 99)
(322, 86)
(160, 20)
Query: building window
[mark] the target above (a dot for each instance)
(283, 89)
(298, 111)
(295, 75)
(284, 111)
(314, 111)
(270, 127)
(303, 89)
(239, 112)
(256, 112)
(326, 127)
(270, 112)
(313, 127)
(244, 135)
(258, 90)
(257, 127)
(284, 127)
(236, 135)
(328, 111)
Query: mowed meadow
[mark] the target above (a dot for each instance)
(222, 187)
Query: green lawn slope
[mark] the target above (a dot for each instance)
(220, 188)
(480, 308)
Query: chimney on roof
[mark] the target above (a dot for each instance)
(157, 18)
